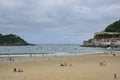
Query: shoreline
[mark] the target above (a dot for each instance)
(54, 54)
(27, 58)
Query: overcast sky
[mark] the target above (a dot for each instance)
(57, 21)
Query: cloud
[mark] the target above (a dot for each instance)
(56, 18)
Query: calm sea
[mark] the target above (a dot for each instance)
(52, 49)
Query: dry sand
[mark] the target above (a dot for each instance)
(84, 67)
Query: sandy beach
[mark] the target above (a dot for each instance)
(81, 67)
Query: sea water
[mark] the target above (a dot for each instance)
(52, 49)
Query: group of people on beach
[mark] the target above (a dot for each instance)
(103, 63)
(17, 70)
(65, 64)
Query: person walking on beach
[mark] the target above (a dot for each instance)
(115, 76)
(15, 70)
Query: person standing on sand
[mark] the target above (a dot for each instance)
(115, 76)
(15, 70)
(114, 54)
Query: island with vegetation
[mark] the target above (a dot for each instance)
(12, 40)
(110, 37)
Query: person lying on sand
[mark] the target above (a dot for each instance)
(19, 70)
(103, 63)
(65, 64)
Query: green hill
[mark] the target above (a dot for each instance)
(12, 39)
(111, 31)
(114, 27)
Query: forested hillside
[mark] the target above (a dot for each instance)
(111, 31)
(11, 39)
(114, 27)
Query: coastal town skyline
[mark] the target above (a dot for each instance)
(57, 21)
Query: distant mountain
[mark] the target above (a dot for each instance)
(114, 27)
(12, 39)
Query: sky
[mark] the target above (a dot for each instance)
(57, 21)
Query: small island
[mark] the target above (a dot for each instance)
(109, 37)
(12, 40)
